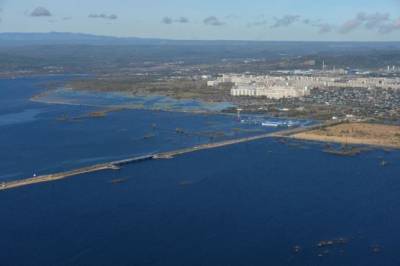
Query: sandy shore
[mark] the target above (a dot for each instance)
(356, 133)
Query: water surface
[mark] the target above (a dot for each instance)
(257, 203)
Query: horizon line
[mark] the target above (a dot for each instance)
(191, 40)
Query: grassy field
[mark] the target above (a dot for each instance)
(356, 133)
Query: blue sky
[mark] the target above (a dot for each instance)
(350, 20)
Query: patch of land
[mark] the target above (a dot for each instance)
(355, 133)
(322, 104)
(102, 113)
(184, 88)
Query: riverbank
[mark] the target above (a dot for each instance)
(355, 133)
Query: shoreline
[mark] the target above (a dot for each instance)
(336, 140)
(37, 99)
(39, 75)
(360, 133)
(116, 165)
(231, 111)
(306, 133)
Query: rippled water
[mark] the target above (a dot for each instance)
(256, 203)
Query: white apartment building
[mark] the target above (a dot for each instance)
(272, 92)
(277, 87)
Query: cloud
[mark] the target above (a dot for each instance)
(390, 27)
(368, 21)
(169, 20)
(322, 26)
(66, 18)
(213, 21)
(104, 16)
(1, 11)
(349, 26)
(40, 12)
(325, 28)
(182, 20)
(285, 21)
(378, 22)
(373, 21)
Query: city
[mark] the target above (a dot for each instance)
(324, 95)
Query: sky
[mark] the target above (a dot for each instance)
(297, 20)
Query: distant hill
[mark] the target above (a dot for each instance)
(77, 50)
(67, 38)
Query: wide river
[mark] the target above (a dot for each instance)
(257, 203)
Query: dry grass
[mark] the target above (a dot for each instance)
(356, 133)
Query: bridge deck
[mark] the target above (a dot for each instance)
(115, 165)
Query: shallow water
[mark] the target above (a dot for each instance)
(19, 117)
(246, 204)
(69, 96)
(41, 138)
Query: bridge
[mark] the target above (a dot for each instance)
(116, 165)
